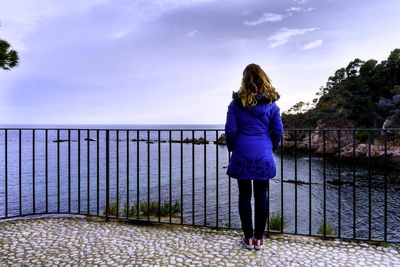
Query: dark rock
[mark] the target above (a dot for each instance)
(140, 140)
(299, 182)
(60, 140)
(341, 182)
(187, 140)
(221, 140)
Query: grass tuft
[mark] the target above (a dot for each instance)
(330, 229)
(275, 222)
(145, 209)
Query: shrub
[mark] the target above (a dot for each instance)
(148, 209)
(330, 229)
(296, 136)
(275, 222)
(144, 209)
(176, 208)
(362, 136)
(132, 210)
(164, 209)
(152, 209)
(112, 208)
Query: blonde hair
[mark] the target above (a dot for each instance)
(255, 81)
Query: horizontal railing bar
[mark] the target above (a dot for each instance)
(343, 129)
(189, 129)
(113, 129)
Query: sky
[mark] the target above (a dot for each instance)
(177, 61)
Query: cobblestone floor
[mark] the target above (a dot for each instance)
(76, 241)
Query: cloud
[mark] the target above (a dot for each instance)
(21, 18)
(266, 17)
(176, 3)
(245, 12)
(312, 44)
(119, 34)
(166, 5)
(192, 33)
(284, 34)
(24, 17)
(300, 2)
(294, 9)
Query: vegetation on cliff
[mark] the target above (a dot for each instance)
(365, 94)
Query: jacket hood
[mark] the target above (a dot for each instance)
(257, 110)
(261, 98)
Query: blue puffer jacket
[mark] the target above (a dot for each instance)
(252, 134)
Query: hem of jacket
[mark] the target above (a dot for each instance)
(263, 178)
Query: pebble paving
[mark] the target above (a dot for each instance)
(79, 241)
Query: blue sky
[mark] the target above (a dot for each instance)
(177, 61)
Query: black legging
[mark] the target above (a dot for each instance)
(261, 207)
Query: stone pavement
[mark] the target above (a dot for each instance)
(76, 241)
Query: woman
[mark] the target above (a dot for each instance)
(253, 131)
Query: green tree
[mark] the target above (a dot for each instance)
(353, 68)
(8, 57)
(393, 63)
(367, 68)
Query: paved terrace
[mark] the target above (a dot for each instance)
(77, 241)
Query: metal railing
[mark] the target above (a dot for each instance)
(340, 183)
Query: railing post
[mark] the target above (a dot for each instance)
(385, 177)
(107, 172)
(5, 173)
